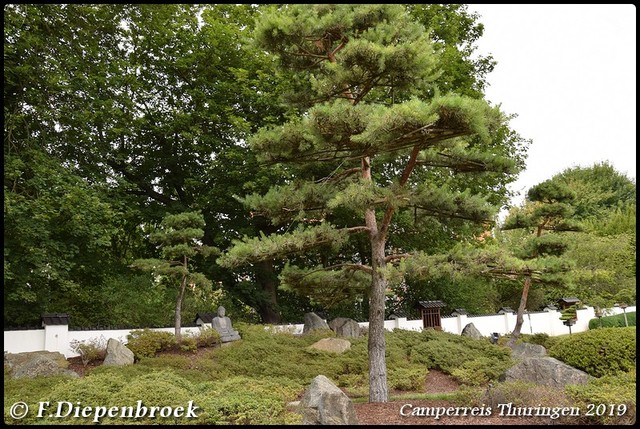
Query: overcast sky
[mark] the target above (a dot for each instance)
(569, 73)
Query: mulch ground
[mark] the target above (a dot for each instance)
(391, 413)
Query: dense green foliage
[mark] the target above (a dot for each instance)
(115, 116)
(147, 342)
(599, 352)
(615, 321)
(613, 396)
(251, 381)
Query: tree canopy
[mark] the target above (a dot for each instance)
(365, 75)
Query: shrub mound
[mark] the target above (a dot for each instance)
(598, 352)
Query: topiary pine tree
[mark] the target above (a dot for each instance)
(179, 240)
(362, 78)
(547, 209)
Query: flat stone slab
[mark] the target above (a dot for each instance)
(334, 345)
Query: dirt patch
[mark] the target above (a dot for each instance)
(399, 412)
(76, 365)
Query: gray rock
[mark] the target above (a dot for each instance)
(313, 322)
(325, 404)
(344, 327)
(525, 350)
(335, 345)
(34, 364)
(118, 354)
(471, 331)
(546, 371)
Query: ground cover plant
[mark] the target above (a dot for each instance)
(252, 381)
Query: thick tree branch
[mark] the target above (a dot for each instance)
(411, 163)
(397, 256)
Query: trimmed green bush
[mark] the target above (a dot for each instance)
(189, 343)
(598, 352)
(616, 392)
(146, 343)
(208, 337)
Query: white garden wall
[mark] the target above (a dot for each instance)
(58, 338)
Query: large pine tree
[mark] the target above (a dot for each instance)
(369, 117)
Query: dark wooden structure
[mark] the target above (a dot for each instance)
(50, 319)
(459, 312)
(567, 302)
(430, 311)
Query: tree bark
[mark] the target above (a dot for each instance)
(520, 316)
(183, 287)
(378, 391)
(376, 346)
(268, 282)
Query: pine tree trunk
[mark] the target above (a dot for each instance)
(520, 316)
(183, 287)
(377, 363)
(268, 282)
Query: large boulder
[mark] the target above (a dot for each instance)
(324, 403)
(335, 345)
(344, 327)
(313, 322)
(471, 331)
(118, 354)
(34, 364)
(527, 350)
(546, 371)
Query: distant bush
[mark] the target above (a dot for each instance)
(189, 343)
(90, 350)
(615, 321)
(541, 339)
(207, 337)
(598, 352)
(146, 342)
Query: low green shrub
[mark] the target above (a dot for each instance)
(189, 343)
(407, 378)
(251, 401)
(598, 352)
(158, 389)
(481, 370)
(472, 361)
(608, 400)
(208, 337)
(29, 391)
(176, 362)
(524, 394)
(146, 342)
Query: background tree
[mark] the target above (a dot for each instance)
(547, 209)
(146, 107)
(604, 252)
(358, 71)
(179, 240)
